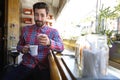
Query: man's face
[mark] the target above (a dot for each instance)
(40, 17)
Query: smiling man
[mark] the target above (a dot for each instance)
(36, 67)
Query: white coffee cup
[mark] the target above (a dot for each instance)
(34, 50)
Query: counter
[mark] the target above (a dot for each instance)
(67, 69)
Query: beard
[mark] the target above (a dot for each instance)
(39, 23)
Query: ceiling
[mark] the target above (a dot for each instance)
(56, 6)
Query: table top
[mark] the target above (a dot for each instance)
(76, 73)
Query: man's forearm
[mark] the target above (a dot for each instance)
(57, 46)
(19, 48)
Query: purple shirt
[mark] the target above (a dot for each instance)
(29, 36)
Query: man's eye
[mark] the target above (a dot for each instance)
(42, 15)
(36, 14)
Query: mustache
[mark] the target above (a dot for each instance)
(38, 21)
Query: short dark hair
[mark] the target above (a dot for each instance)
(41, 5)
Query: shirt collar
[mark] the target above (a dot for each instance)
(44, 27)
(40, 27)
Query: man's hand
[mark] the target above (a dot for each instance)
(43, 39)
(25, 49)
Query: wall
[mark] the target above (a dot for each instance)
(13, 22)
(26, 4)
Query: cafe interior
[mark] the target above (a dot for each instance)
(90, 31)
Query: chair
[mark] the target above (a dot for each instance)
(13, 54)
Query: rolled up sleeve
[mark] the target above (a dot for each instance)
(56, 42)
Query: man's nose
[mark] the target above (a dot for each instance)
(39, 18)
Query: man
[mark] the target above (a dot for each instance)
(36, 67)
